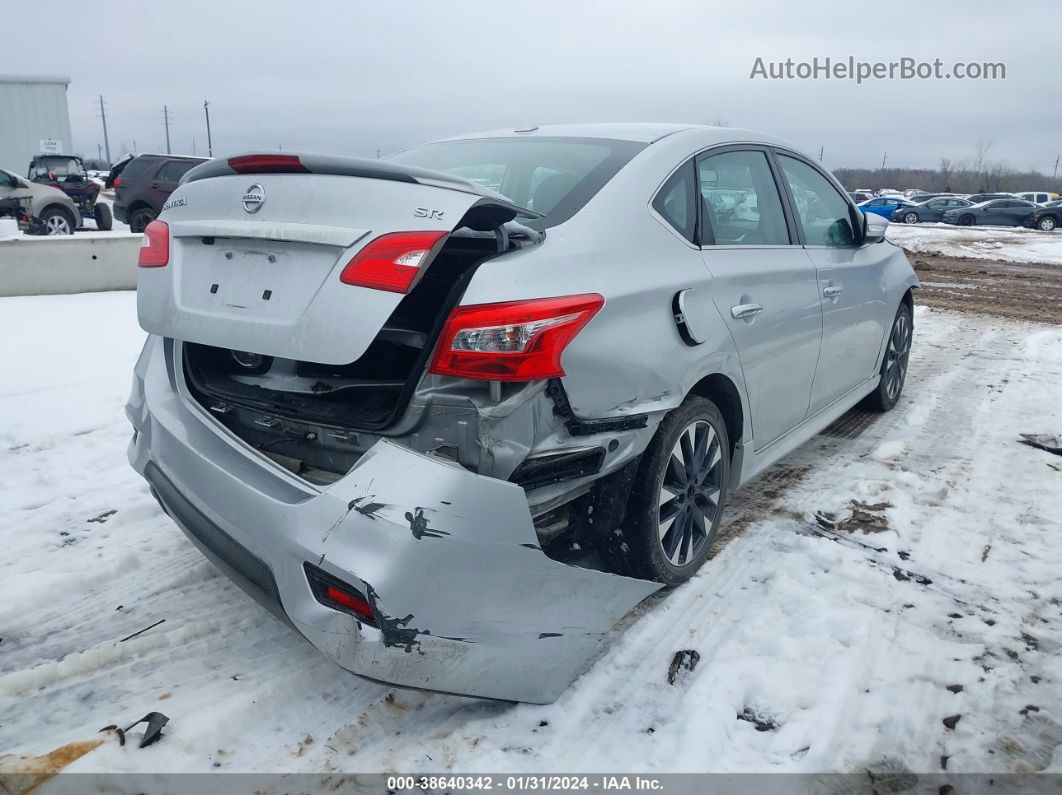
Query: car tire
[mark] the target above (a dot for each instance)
(1047, 224)
(894, 363)
(966, 220)
(104, 221)
(57, 221)
(140, 218)
(910, 218)
(687, 463)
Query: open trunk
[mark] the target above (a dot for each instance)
(276, 344)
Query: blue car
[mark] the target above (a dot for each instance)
(884, 206)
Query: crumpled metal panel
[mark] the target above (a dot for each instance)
(467, 601)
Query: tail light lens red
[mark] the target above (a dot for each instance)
(155, 250)
(267, 164)
(334, 593)
(512, 341)
(117, 181)
(393, 262)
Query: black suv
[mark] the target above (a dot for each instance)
(145, 183)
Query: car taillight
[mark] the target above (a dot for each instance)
(117, 182)
(393, 261)
(155, 250)
(512, 341)
(267, 164)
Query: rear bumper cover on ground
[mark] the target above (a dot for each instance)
(466, 601)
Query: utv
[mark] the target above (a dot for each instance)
(68, 174)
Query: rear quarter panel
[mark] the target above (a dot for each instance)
(630, 358)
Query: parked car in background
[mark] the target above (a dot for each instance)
(884, 206)
(978, 198)
(1046, 218)
(997, 212)
(68, 174)
(57, 211)
(1040, 197)
(145, 183)
(929, 210)
(863, 193)
(391, 436)
(918, 198)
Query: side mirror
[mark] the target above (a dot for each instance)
(874, 227)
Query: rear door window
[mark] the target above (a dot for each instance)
(136, 167)
(740, 204)
(824, 215)
(174, 170)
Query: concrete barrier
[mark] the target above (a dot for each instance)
(80, 263)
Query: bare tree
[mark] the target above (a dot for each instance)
(981, 159)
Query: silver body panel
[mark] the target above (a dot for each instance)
(477, 607)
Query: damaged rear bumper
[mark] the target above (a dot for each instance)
(465, 600)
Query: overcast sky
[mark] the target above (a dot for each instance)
(351, 77)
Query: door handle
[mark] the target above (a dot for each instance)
(832, 290)
(745, 310)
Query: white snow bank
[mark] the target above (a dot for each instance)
(1014, 244)
(871, 574)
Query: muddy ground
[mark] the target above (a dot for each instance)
(990, 287)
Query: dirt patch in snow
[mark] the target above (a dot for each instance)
(990, 287)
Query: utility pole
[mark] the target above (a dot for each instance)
(377, 153)
(821, 149)
(106, 143)
(206, 110)
(99, 152)
(1055, 175)
(193, 146)
(166, 117)
(884, 157)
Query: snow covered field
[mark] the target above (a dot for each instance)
(1009, 243)
(890, 594)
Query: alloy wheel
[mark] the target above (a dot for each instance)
(58, 225)
(690, 492)
(896, 356)
(910, 218)
(1047, 224)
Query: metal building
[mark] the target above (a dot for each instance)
(33, 118)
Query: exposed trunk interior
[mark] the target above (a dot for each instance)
(268, 401)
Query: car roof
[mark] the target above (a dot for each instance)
(644, 132)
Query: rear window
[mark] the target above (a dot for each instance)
(553, 176)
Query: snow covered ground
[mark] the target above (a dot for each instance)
(1009, 243)
(888, 594)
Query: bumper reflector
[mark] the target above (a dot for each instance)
(334, 593)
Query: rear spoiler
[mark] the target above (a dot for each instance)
(338, 165)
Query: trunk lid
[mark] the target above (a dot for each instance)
(255, 258)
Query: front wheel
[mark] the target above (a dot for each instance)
(894, 363)
(1047, 224)
(966, 220)
(676, 502)
(103, 217)
(911, 218)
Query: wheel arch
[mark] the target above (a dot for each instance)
(724, 393)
